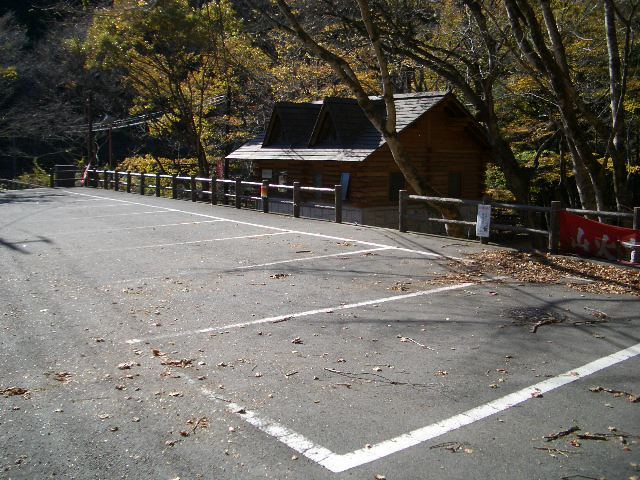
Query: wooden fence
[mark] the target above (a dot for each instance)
(237, 192)
(552, 232)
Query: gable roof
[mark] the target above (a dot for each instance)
(356, 138)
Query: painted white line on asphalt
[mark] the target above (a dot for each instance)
(93, 206)
(115, 215)
(316, 257)
(109, 230)
(291, 316)
(193, 242)
(339, 463)
(318, 235)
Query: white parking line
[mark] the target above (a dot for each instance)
(193, 242)
(116, 215)
(318, 235)
(339, 463)
(109, 230)
(316, 257)
(290, 316)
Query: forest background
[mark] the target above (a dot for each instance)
(174, 85)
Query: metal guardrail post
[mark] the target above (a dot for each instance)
(174, 186)
(635, 254)
(554, 227)
(141, 184)
(238, 192)
(157, 184)
(296, 199)
(194, 194)
(338, 203)
(128, 181)
(214, 191)
(486, 200)
(116, 180)
(402, 210)
(264, 195)
(51, 180)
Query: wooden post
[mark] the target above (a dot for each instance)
(338, 203)
(296, 199)
(51, 181)
(554, 227)
(402, 210)
(141, 183)
(264, 194)
(486, 200)
(157, 184)
(96, 178)
(128, 181)
(116, 180)
(105, 179)
(174, 186)
(238, 191)
(192, 185)
(214, 191)
(635, 254)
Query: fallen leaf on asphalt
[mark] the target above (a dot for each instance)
(184, 433)
(297, 341)
(175, 394)
(183, 363)
(377, 369)
(156, 352)
(280, 275)
(13, 391)
(441, 373)
(103, 416)
(127, 365)
(62, 376)
(377, 476)
(536, 394)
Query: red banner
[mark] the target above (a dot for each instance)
(593, 239)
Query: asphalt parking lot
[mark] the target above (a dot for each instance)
(154, 338)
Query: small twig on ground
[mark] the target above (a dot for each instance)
(591, 436)
(451, 446)
(290, 373)
(409, 339)
(562, 433)
(633, 398)
(555, 450)
(281, 320)
(546, 321)
(569, 477)
(383, 379)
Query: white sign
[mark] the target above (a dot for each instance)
(483, 221)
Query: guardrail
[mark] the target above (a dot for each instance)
(552, 232)
(242, 193)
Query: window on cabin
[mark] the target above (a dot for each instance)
(455, 185)
(396, 183)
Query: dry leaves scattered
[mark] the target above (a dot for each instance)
(579, 274)
(14, 391)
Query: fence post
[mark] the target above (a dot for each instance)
(51, 181)
(96, 178)
(174, 186)
(238, 191)
(296, 199)
(157, 184)
(105, 179)
(214, 191)
(486, 200)
(402, 210)
(264, 194)
(116, 180)
(128, 181)
(635, 254)
(141, 183)
(338, 203)
(192, 186)
(554, 227)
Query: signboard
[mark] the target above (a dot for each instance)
(483, 222)
(593, 239)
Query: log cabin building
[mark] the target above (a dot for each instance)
(331, 142)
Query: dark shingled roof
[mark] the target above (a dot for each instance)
(356, 138)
